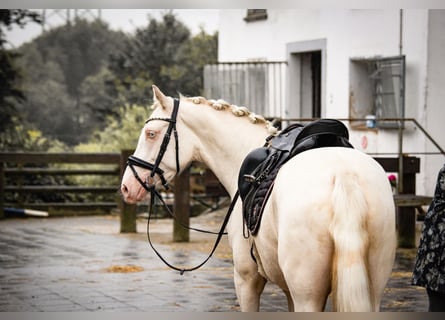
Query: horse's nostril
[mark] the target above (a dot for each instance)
(124, 189)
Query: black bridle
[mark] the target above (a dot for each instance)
(154, 168)
(151, 187)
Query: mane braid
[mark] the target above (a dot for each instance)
(237, 111)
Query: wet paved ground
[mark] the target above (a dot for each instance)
(85, 264)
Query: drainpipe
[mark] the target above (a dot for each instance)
(401, 32)
(401, 124)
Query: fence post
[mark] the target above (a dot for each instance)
(2, 191)
(128, 211)
(181, 207)
(406, 216)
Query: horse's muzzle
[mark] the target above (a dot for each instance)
(133, 197)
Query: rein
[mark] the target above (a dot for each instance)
(134, 161)
(154, 193)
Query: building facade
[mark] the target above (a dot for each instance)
(355, 65)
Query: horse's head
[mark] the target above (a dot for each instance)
(213, 132)
(156, 159)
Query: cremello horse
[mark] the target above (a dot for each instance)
(328, 227)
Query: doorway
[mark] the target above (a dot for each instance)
(306, 77)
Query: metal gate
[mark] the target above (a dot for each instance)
(259, 86)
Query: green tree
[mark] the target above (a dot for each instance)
(145, 58)
(48, 106)
(11, 17)
(121, 131)
(80, 48)
(59, 65)
(96, 104)
(202, 49)
(10, 90)
(164, 54)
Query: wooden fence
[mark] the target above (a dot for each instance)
(408, 202)
(16, 165)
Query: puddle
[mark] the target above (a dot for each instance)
(124, 269)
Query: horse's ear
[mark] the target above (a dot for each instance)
(159, 96)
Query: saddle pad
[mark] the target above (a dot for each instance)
(261, 166)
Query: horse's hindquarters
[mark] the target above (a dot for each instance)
(303, 212)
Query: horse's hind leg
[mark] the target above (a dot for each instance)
(249, 286)
(308, 294)
(306, 268)
(290, 302)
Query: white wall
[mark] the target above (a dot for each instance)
(357, 34)
(433, 111)
(265, 39)
(349, 33)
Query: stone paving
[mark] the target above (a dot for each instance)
(85, 264)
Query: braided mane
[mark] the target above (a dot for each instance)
(237, 111)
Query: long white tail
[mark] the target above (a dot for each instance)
(350, 285)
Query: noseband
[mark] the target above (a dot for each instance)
(134, 161)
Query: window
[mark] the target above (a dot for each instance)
(255, 15)
(377, 90)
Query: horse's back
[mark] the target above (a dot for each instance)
(304, 210)
(311, 177)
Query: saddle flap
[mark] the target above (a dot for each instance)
(250, 163)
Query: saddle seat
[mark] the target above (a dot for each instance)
(260, 167)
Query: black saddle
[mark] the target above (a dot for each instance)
(260, 167)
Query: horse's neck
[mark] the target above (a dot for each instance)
(224, 147)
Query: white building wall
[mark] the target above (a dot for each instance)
(433, 111)
(264, 39)
(355, 34)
